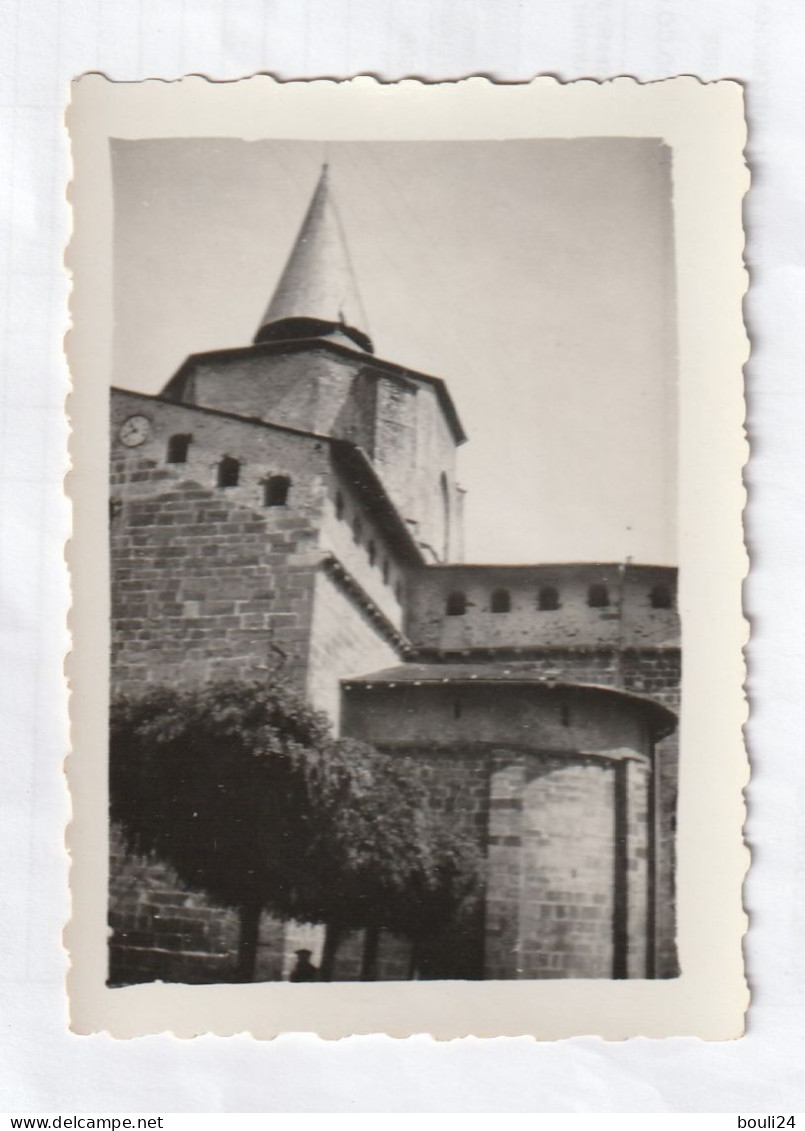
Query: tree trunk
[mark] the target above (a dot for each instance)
(413, 960)
(332, 937)
(247, 943)
(371, 942)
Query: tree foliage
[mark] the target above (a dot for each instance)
(242, 789)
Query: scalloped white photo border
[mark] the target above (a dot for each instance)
(704, 126)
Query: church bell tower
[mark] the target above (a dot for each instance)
(312, 367)
(317, 293)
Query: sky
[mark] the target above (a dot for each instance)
(536, 277)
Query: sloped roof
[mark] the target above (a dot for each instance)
(504, 672)
(317, 290)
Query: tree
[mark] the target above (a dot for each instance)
(393, 863)
(242, 790)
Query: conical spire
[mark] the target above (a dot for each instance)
(317, 292)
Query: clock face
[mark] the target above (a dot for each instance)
(134, 431)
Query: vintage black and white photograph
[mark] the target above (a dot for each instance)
(395, 628)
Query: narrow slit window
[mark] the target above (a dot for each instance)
(564, 712)
(548, 599)
(339, 505)
(661, 597)
(398, 591)
(178, 447)
(386, 572)
(371, 549)
(357, 531)
(598, 596)
(501, 601)
(228, 472)
(445, 493)
(456, 604)
(275, 491)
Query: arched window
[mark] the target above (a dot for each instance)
(598, 596)
(548, 599)
(339, 505)
(275, 491)
(228, 472)
(177, 448)
(371, 549)
(501, 601)
(661, 597)
(456, 604)
(357, 530)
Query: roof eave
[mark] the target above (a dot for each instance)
(356, 463)
(661, 712)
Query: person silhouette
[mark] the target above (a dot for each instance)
(304, 970)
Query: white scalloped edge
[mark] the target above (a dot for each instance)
(82, 1023)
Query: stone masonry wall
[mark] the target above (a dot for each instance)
(633, 823)
(653, 671)
(161, 930)
(414, 447)
(565, 835)
(312, 391)
(628, 617)
(351, 534)
(437, 508)
(396, 419)
(551, 864)
(658, 673)
(208, 584)
(343, 642)
(443, 713)
(203, 587)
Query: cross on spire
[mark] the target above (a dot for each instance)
(317, 292)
